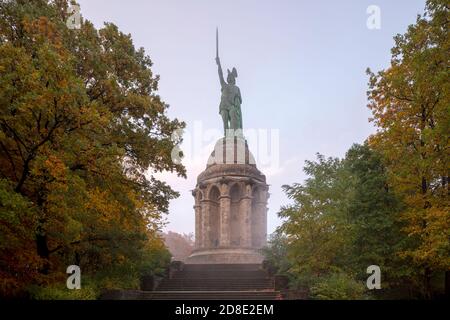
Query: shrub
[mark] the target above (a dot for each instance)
(338, 286)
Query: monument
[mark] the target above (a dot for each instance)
(231, 193)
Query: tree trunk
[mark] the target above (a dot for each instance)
(428, 290)
(42, 250)
(447, 284)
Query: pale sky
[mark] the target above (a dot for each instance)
(301, 70)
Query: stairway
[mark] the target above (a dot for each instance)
(215, 282)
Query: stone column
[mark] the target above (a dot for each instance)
(261, 212)
(198, 225)
(264, 196)
(225, 205)
(264, 225)
(246, 211)
(197, 194)
(205, 224)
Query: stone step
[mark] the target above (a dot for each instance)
(203, 295)
(222, 274)
(221, 280)
(200, 289)
(222, 267)
(211, 288)
(214, 282)
(267, 281)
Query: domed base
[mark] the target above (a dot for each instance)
(225, 256)
(231, 150)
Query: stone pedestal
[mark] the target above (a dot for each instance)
(230, 206)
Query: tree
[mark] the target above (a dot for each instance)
(179, 245)
(315, 224)
(344, 218)
(373, 212)
(81, 124)
(16, 216)
(410, 106)
(275, 253)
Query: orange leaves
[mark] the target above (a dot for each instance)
(100, 202)
(409, 103)
(56, 168)
(80, 124)
(43, 30)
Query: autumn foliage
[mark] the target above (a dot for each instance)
(179, 245)
(410, 103)
(81, 124)
(386, 202)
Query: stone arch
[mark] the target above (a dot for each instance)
(214, 193)
(198, 195)
(214, 216)
(235, 217)
(235, 191)
(211, 188)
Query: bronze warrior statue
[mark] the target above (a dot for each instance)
(231, 100)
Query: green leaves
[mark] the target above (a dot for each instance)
(387, 202)
(343, 219)
(409, 103)
(81, 124)
(338, 286)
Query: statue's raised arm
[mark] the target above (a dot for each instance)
(222, 80)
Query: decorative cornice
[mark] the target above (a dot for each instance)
(229, 171)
